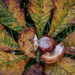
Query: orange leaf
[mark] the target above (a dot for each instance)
(11, 64)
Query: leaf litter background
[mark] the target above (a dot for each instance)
(68, 64)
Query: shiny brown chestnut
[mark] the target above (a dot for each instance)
(47, 43)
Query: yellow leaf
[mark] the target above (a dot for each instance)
(63, 16)
(14, 7)
(26, 41)
(65, 66)
(40, 11)
(11, 64)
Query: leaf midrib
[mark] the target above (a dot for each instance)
(64, 17)
(11, 14)
(63, 69)
(14, 60)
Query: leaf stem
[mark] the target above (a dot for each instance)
(37, 56)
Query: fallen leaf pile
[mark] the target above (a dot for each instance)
(61, 14)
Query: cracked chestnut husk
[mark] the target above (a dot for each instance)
(35, 42)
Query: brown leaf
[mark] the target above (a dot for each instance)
(35, 69)
(26, 41)
(70, 50)
(70, 39)
(11, 64)
(6, 42)
(70, 43)
(14, 7)
(65, 66)
(63, 16)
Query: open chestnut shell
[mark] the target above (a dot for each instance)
(55, 55)
(52, 53)
(47, 43)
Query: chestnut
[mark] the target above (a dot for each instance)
(55, 55)
(47, 43)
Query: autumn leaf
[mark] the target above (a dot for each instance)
(40, 11)
(63, 16)
(14, 7)
(7, 19)
(12, 16)
(70, 50)
(70, 43)
(35, 69)
(6, 41)
(12, 64)
(65, 66)
(69, 40)
(26, 41)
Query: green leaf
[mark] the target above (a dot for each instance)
(6, 42)
(7, 19)
(63, 16)
(14, 7)
(40, 11)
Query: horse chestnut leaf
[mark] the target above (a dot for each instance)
(47, 43)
